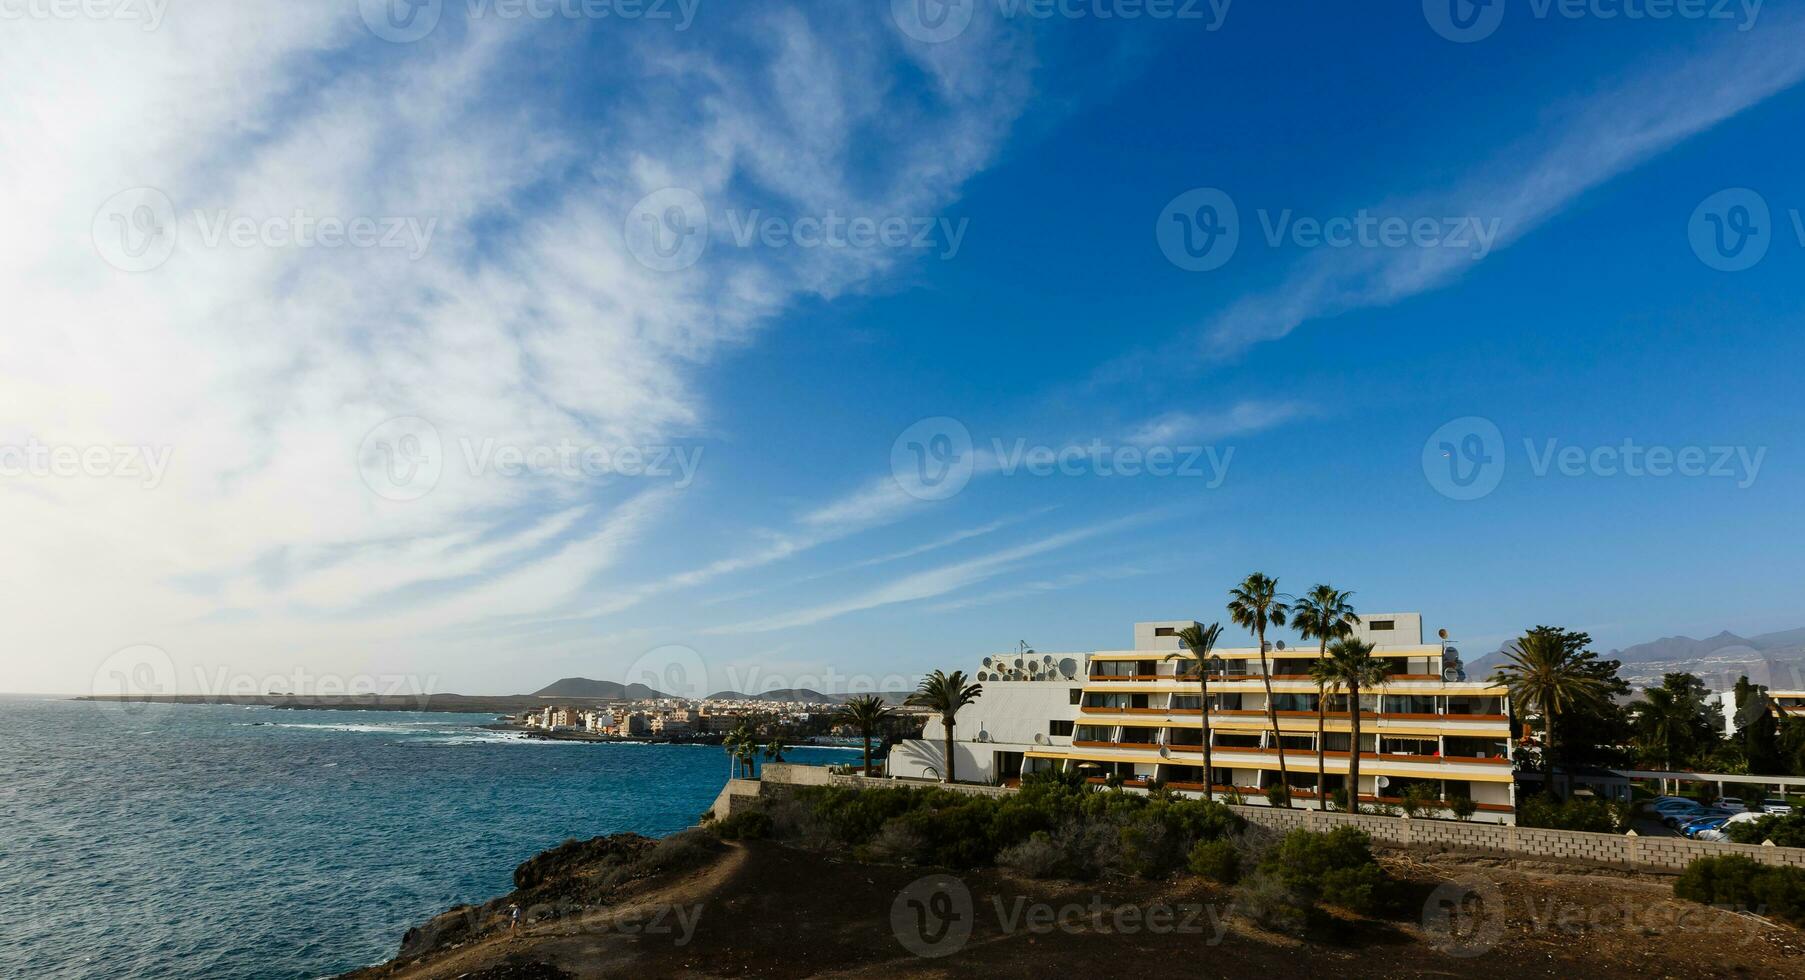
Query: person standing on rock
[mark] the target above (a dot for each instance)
(513, 917)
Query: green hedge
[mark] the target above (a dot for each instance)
(1137, 834)
(1739, 882)
(1786, 831)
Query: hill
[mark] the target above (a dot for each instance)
(583, 687)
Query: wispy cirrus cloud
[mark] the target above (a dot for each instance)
(1242, 419)
(1606, 134)
(933, 582)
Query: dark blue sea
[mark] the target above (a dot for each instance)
(205, 841)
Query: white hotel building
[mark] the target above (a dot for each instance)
(1133, 715)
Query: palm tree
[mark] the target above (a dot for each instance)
(747, 753)
(866, 713)
(775, 748)
(1354, 665)
(1324, 614)
(735, 742)
(1254, 604)
(1549, 676)
(1328, 682)
(1662, 722)
(946, 694)
(1200, 640)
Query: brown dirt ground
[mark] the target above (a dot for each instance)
(766, 910)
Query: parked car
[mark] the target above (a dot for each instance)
(1702, 824)
(1730, 803)
(1671, 805)
(1780, 807)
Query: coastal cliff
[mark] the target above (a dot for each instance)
(694, 906)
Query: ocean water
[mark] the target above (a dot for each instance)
(206, 841)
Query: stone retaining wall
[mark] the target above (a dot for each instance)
(1641, 853)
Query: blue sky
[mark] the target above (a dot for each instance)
(276, 545)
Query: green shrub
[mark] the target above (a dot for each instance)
(1335, 867)
(1577, 813)
(1102, 832)
(1278, 794)
(1784, 831)
(1740, 882)
(744, 825)
(1463, 807)
(1357, 889)
(1217, 860)
(1420, 800)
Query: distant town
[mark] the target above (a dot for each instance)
(707, 720)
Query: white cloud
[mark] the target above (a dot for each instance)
(526, 320)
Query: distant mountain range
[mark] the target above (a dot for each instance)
(1774, 659)
(583, 687)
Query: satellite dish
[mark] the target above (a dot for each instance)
(1443, 633)
(1451, 653)
(1451, 674)
(1018, 663)
(1040, 738)
(1382, 782)
(1165, 752)
(1069, 667)
(1281, 644)
(986, 661)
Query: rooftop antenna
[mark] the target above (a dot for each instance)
(1023, 647)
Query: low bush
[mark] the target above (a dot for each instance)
(1217, 860)
(1463, 807)
(744, 825)
(1335, 867)
(1742, 883)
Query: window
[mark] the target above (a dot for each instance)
(1057, 727)
(1382, 624)
(1077, 694)
(1164, 631)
